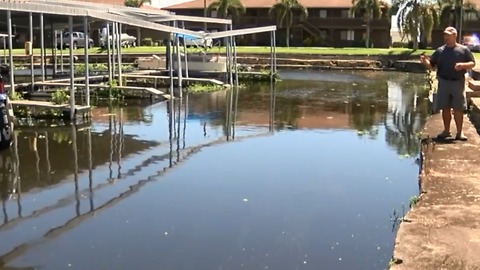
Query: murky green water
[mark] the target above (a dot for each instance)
(307, 178)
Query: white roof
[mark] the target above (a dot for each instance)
(143, 18)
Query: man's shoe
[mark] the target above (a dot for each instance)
(444, 134)
(461, 137)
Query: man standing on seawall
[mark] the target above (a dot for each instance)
(452, 61)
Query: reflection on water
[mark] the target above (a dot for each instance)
(308, 181)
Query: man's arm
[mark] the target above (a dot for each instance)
(429, 62)
(468, 65)
(469, 61)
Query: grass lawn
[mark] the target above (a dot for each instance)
(256, 50)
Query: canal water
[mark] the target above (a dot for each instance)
(312, 173)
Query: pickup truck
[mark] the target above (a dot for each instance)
(78, 40)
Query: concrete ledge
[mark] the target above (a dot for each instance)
(475, 112)
(442, 230)
(474, 85)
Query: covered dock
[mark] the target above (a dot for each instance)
(69, 14)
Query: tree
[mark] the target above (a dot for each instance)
(136, 3)
(452, 10)
(227, 8)
(416, 18)
(283, 11)
(370, 9)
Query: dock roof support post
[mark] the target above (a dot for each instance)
(274, 52)
(235, 60)
(230, 57)
(72, 70)
(225, 41)
(119, 53)
(272, 70)
(179, 62)
(61, 51)
(53, 39)
(185, 53)
(42, 48)
(10, 53)
(169, 61)
(87, 70)
(107, 40)
(30, 25)
(114, 49)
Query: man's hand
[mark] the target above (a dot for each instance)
(459, 66)
(425, 60)
(467, 65)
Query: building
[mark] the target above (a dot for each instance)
(329, 23)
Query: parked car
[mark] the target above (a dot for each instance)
(472, 42)
(78, 40)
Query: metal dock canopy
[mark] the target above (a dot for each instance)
(81, 11)
(126, 15)
(149, 15)
(162, 18)
(238, 32)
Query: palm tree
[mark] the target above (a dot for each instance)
(416, 18)
(284, 11)
(451, 12)
(370, 9)
(136, 3)
(226, 8)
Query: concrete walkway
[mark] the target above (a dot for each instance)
(442, 231)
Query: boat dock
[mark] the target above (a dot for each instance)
(149, 90)
(147, 75)
(66, 14)
(42, 105)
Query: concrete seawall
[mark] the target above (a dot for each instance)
(400, 62)
(442, 230)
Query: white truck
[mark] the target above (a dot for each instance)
(78, 40)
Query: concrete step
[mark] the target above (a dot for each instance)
(472, 94)
(474, 85)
